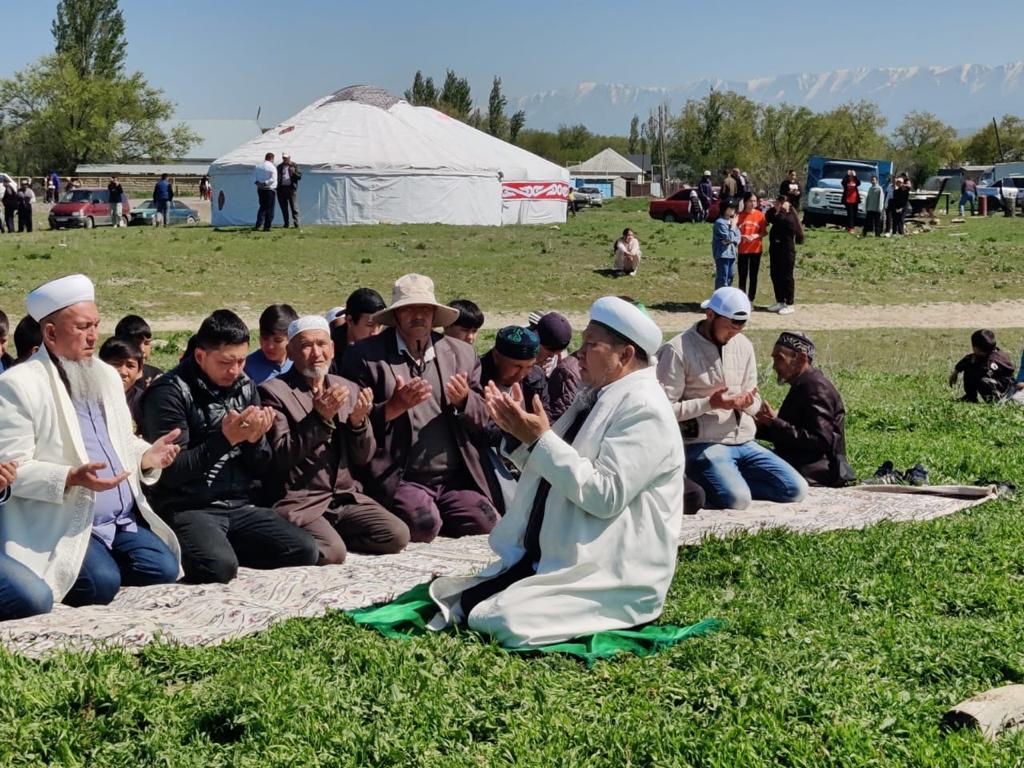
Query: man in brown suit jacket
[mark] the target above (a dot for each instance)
(320, 429)
(428, 409)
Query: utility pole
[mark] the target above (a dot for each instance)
(999, 144)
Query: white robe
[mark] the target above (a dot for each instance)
(41, 526)
(611, 524)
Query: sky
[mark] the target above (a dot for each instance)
(229, 58)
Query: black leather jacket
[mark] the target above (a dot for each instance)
(208, 471)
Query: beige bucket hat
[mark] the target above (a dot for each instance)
(411, 290)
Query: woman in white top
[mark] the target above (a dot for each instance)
(627, 253)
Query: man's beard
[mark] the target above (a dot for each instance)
(314, 371)
(587, 395)
(84, 379)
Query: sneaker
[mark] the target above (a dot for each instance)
(787, 309)
(916, 475)
(775, 307)
(886, 475)
(887, 234)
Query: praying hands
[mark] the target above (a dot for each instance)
(510, 414)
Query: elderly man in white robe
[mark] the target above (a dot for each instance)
(589, 543)
(76, 517)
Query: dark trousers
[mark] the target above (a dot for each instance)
(364, 527)
(9, 217)
(851, 215)
(136, 559)
(873, 223)
(897, 221)
(25, 218)
(749, 265)
(454, 508)
(288, 199)
(215, 541)
(694, 497)
(22, 593)
(781, 265)
(265, 214)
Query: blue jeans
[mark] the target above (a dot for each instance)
(22, 593)
(733, 475)
(968, 197)
(137, 559)
(724, 269)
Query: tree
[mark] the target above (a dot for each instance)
(497, 122)
(455, 98)
(423, 92)
(923, 144)
(79, 106)
(515, 125)
(574, 138)
(853, 131)
(715, 133)
(634, 134)
(89, 35)
(981, 148)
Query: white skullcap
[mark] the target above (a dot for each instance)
(58, 294)
(307, 323)
(627, 319)
(334, 313)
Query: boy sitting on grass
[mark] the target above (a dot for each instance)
(988, 372)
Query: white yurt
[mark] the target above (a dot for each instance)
(367, 157)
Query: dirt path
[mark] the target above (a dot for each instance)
(809, 317)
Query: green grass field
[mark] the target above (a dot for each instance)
(841, 649)
(190, 271)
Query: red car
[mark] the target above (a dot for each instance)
(85, 208)
(677, 207)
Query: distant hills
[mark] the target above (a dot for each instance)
(965, 96)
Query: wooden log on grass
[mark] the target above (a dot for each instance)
(994, 712)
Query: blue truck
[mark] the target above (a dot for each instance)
(823, 193)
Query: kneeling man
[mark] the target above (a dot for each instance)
(77, 518)
(589, 543)
(320, 429)
(809, 431)
(710, 376)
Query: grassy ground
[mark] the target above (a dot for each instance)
(840, 649)
(190, 271)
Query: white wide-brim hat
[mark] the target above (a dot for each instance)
(416, 290)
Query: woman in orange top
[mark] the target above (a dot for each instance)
(752, 231)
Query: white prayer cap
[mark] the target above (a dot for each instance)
(58, 294)
(628, 320)
(334, 313)
(307, 323)
(729, 302)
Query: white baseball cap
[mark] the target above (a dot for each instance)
(729, 302)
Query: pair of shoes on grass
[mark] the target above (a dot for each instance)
(781, 308)
(887, 474)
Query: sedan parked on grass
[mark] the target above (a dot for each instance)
(177, 213)
(676, 207)
(85, 208)
(589, 196)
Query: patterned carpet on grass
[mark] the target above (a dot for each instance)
(210, 614)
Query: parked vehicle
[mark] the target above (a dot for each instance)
(823, 199)
(1000, 171)
(676, 207)
(590, 196)
(85, 208)
(996, 190)
(177, 213)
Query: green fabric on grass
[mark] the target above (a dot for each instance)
(407, 615)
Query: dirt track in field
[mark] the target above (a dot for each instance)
(809, 317)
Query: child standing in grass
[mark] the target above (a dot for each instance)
(988, 372)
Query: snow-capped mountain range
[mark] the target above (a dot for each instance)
(965, 96)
